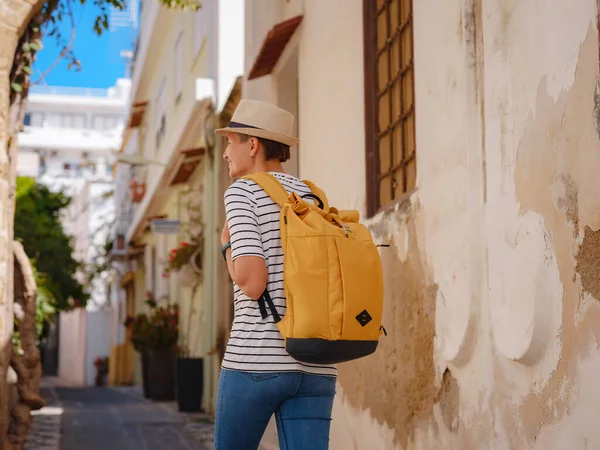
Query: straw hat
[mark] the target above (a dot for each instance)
(261, 119)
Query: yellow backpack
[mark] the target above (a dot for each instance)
(333, 279)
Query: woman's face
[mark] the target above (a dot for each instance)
(237, 155)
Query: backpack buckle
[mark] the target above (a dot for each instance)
(346, 230)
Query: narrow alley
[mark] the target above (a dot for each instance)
(101, 418)
(117, 419)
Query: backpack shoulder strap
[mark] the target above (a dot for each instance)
(318, 192)
(270, 185)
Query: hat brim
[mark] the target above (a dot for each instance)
(257, 132)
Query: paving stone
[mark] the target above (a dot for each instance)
(106, 418)
(44, 433)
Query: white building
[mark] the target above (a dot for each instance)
(185, 67)
(70, 133)
(68, 141)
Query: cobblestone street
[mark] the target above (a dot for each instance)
(114, 419)
(100, 419)
(118, 418)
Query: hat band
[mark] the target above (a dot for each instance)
(241, 125)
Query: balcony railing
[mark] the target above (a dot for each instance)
(72, 91)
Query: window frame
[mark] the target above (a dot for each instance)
(178, 65)
(371, 90)
(102, 119)
(161, 115)
(200, 27)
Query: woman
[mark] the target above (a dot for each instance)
(258, 377)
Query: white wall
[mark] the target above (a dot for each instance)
(72, 346)
(230, 47)
(97, 341)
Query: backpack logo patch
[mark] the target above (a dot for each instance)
(364, 318)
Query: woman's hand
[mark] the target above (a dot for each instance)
(225, 234)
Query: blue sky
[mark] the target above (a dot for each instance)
(101, 64)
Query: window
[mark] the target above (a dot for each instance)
(53, 120)
(161, 114)
(27, 120)
(72, 121)
(178, 67)
(389, 100)
(104, 123)
(42, 163)
(36, 119)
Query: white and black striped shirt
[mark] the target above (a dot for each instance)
(255, 344)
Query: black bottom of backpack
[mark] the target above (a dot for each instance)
(322, 351)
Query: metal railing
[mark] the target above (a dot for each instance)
(72, 91)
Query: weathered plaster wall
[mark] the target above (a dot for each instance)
(502, 232)
(492, 294)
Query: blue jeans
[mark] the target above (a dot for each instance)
(301, 403)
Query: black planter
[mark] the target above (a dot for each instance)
(190, 383)
(145, 383)
(161, 374)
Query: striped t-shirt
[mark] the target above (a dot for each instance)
(255, 344)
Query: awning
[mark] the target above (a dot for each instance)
(126, 279)
(179, 161)
(136, 115)
(273, 46)
(184, 166)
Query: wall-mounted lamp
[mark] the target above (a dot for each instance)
(136, 160)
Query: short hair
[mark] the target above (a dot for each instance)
(273, 149)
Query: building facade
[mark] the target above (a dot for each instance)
(466, 134)
(68, 141)
(184, 69)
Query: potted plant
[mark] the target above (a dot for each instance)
(186, 260)
(155, 336)
(138, 190)
(101, 365)
(190, 370)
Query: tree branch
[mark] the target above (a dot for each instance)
(65, 50)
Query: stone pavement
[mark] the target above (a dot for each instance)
(117, 418)
(44, 433)
(104, 418)
(200, 425)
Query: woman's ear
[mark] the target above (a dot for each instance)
(253, 147)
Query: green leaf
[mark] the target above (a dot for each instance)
(36, 46)
(16, 87)
(59, 17)
(35, 29)
(27, 70)
(26, 47)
